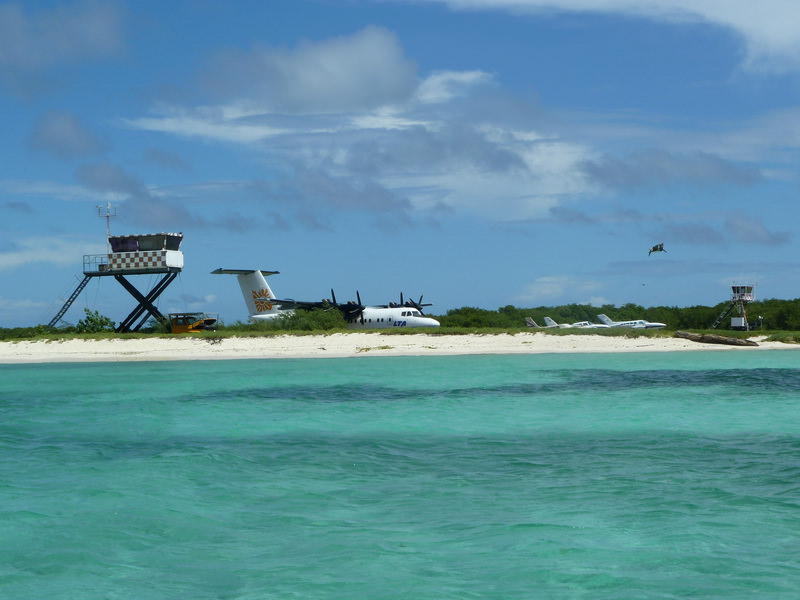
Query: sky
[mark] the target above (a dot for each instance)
(483, 153)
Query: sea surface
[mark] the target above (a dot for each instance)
(596, 476)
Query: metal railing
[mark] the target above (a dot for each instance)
(95, 263)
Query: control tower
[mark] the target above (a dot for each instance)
(741, 296)
(144, 254)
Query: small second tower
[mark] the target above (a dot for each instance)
(741, 296)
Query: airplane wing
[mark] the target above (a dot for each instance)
(351, 310)
(288, 303)
(242, 272)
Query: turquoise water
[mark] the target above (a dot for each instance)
(670, 475)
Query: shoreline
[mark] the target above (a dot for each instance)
(345, 345)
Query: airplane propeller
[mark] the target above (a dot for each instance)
(418, 304)
(351, 310)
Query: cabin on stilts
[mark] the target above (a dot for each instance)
(741, 296)
(142, 254)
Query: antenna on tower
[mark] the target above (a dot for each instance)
(107, 216)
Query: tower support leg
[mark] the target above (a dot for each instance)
(145, 307)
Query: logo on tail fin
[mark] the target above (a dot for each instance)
(261, 298)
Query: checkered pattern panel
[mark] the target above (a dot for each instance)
(144, 259)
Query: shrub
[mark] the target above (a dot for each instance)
(94, 322)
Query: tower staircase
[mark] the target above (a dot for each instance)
(69, 301)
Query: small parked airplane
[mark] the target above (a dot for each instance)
(589, 325)
(579, 325)
(550, 324)
(262, 304)
(637, 324)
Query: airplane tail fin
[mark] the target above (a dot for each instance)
(530, 322)
(605, 320)
(549, 322)
(257, 294)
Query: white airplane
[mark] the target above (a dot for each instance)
(262, 304)
(550, 324)
(405, 314)
(589, 325)
(637, 324)
(579, 325)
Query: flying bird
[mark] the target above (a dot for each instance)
(657, 248)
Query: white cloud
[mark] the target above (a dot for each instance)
(450, 141)
(50, 190)
(445, 85)
(361, 71)
(36, 40)
(769, 140)
(6, 304)
(476, 169)
(241, 120)
(51, 250)
(385, 119)
(770, 28)
(204, 123)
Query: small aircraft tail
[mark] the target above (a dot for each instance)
(256, 291)
(531, 323)
(605, 320)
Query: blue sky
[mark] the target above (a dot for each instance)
(479, 152)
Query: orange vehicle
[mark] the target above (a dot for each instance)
(189, 322)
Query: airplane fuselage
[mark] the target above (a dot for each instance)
(635, 324)
(549, 323)
(373, 317)
(639, 324)
(376, 317)
(589, 325)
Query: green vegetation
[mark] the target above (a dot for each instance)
(781, 322)
(783, 315)
(94, 322)
(299, 320)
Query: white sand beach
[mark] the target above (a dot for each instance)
(345, 345)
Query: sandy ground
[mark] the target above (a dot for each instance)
(344, 345)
